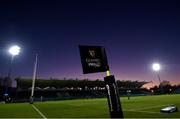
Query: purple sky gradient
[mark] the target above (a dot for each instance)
(134, 33)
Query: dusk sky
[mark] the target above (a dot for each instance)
(135, 34)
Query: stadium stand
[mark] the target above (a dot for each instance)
(55, 89)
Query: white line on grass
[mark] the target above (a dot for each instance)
(39, 112)
(142, 111)
(149, 107)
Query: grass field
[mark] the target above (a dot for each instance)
(136, 107)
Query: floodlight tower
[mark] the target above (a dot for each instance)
(13, 50)
(156, 67)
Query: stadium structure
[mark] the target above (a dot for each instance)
(60, 89)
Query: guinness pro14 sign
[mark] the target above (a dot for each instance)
(93, 59)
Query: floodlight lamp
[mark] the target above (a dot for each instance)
(14, 50)
(156, 66)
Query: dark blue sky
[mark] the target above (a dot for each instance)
(135, 34)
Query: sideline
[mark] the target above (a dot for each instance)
(40, 113)
(140, 109)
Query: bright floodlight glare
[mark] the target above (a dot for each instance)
(156, 67)
(14, 50)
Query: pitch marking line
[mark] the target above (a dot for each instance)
(142, 111)
(149, 107)
(42, 115)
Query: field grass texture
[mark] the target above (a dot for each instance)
(136, 107)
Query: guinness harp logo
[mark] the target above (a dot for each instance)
(93, 59)
(92, 53)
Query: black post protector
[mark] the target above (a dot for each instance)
(113, 97)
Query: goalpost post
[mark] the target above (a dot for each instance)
(33, 79)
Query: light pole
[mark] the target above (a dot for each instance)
(156, 67)
(13, 50)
